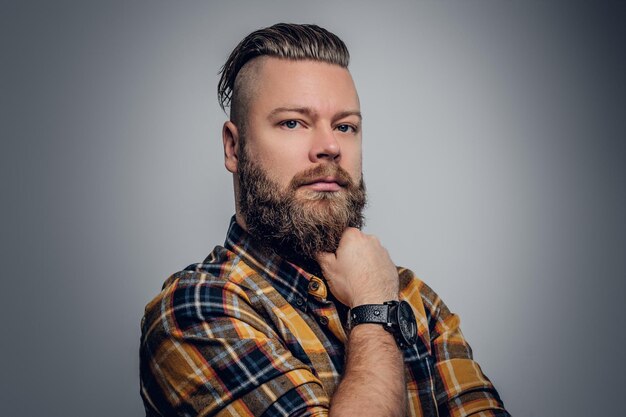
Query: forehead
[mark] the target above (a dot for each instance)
(318, 85)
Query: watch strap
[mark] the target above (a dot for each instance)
(369, 313)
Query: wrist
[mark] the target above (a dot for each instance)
(369, 332)
(394, 317)
(372, 299)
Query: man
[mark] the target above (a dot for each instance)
(300, 313)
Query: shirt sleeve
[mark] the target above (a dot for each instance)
(461, 388)
(206, 351)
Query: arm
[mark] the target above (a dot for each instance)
(373, 383)
(361, 272)
(461, 388)
(207, 349)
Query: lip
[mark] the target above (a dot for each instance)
(329, 179)
(324, 184)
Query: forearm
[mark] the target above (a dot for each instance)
(373, 382)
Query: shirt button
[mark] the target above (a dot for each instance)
(323, 320)
(299, 302)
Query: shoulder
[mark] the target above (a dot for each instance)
(222, 287)
(427, 304)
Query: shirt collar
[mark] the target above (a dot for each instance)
(290, 280)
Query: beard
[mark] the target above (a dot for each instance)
(299, 223)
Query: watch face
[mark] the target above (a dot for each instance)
(407, 323)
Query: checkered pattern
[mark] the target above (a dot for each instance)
(247, 333)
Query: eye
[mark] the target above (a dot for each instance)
(290, 124)
(344, 128)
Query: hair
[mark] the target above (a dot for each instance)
(283, 40)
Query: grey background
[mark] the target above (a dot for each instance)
(493, 153)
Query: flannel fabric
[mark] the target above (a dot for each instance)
(247, 333)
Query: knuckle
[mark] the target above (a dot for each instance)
(351, 231)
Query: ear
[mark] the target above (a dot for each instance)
(230, 139)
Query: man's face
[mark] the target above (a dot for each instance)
(299, 173)
(300, 115)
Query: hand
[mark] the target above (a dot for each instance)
(361, 271)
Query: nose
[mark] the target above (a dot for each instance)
(325, 147)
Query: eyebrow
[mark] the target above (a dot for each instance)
(312, 113)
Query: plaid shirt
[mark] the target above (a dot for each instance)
(247, 333)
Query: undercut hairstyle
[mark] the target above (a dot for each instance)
(283, 40)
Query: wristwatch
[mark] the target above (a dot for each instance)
(396, 317)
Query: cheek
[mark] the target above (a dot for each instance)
(352, 162)
(281, 161)
(280, 166)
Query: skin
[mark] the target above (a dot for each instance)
(301, 114)
(298, 119)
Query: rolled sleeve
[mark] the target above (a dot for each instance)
(460, 388)
(205, 351)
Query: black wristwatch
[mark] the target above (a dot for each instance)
(396, 317)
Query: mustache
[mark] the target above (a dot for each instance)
(326, 170)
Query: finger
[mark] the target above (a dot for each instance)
(351, 232)
(325, 258)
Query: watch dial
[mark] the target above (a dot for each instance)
(407, 323)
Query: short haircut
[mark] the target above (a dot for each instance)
(283, 40)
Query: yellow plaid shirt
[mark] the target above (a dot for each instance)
(247, 333)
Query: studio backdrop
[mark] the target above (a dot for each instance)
(493, 157)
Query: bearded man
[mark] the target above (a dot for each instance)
(300, 313)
